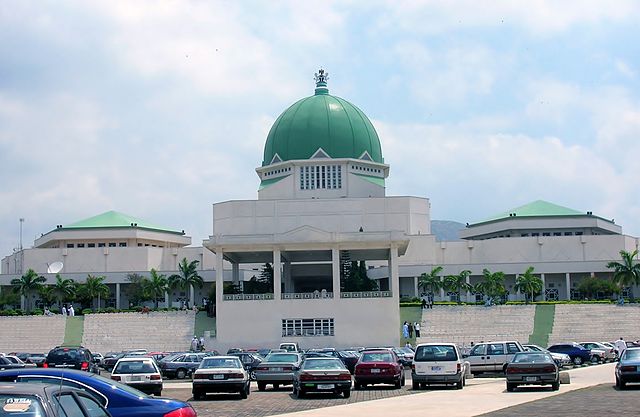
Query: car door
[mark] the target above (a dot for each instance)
(512, 349)
(496, 357)
(478, 358)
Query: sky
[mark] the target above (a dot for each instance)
(158, 109)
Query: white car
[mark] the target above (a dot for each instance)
(140, 373)
(439, 363)
(492, 356)
(220, 374)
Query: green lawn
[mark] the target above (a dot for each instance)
(73, 331)
(411, 315)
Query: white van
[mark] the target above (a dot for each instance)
(438, 363)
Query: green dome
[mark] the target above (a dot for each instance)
(322, 121)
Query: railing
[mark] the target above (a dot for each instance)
(366, 294)
(306, 295)
(247, 297)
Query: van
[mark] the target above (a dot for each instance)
(290, 347)
(438, 363)
(492, 356)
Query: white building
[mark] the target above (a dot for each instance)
(322, 203)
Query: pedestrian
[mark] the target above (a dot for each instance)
(201, 343)
(621, 346)
(71, 311)
(47, 312)
(405, 330)
(145, 310)
(424, 303)
(416, 327)
(195, 309)
(430, 305)
(410, 330)
(194, 344)
(63, 310)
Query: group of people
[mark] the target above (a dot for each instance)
(66, 310)
(197, 345)
(427, 302)
(408, 329)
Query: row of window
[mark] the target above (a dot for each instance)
(552, 234)
(307, 327)
(367, 169)
(277, 171)
(321, 177)
(110, 244)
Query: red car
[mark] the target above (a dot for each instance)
(378, 366)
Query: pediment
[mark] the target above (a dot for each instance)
(276, 159)
(320, 153)
(306, 234)
(365, 156)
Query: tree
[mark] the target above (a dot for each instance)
(27, 284)
(492, 284)
(187, 277)
(93, 288)
(458, 283)
(138, 289)
(47, 294)
(627, 272)
(431, 282)
(529, 285)
(156, 285)
(64, 289)
(590, 287)
(357, 279)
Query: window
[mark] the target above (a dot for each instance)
(578, 233)
(512, 348)
(92, 407)
(112, 244)
(308, 327)
(70, 245)
(496, 349)
(101, 245)
(535, 234)
(568, 233)
(478, 350)
(524, 235)
(91, 245)
(69, 405)
(546, 234)
(80, 245)
(122, 244)
(320, 177)
(557, 233)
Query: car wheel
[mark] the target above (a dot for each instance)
(595, 359)
(415, 385)
(460, 384)
(158, 393)
(252, 375)
(356, 385)
(181, 373)
(197, 395)
(346, 393)
(402, 381)
(620, 383)
(511, 387)
(555, 386)
(262, 386)
(243, 393)
(577, 360)
(398, 383)
(299, 393)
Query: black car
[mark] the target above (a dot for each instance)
(250, 361)
(180, 365)
(44, 400)
(108, 362)
(37, 359)
(7, 364)
(74, 357)
(347, 357)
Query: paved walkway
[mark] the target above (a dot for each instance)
(478, 397)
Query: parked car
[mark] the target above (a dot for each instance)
(6, 363)
(608, 353)
(119, 399)
(438, 363)
(561, 359)
(231, 351)
(180, 365)
(141, 373)
(220, 374)
(322, 375)
(74, 357)
(48, 401)
(277, 369)
(532, 368)
(405, 354)
(379, 366)
(250, 361)
(347, 357)
(97, 358)
(109, 361)
(290, 347)
(492, 356)
(628, 368)
(576, 352)
(17, 360)
(612, 346)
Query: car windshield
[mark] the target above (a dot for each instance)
(135, 367)
(631, 354)
(532, 357)
(436, 353)
(209, 363)
(406, 349)
(281, 357)
(20, 405)
(323, 364)
(533, 348)
(377, 357)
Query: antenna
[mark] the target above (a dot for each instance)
(55, 267)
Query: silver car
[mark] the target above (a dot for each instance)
(628, 368)
(561, 359)
(277, 369)
(608, 352)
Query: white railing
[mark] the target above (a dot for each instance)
(366, 294)
(247, 297)
(306, 295)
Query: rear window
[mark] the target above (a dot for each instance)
(20, 406)
(64, 355)
(212, 363)
(323, 364)
(435, 353)
(135, 367)
(282, 357)
(631, 354)
(532, 357)
(377, 357)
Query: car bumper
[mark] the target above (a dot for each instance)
(437, 378)
(628, 376)
(376, 379)
(533, 379)
(324, 386)
(218, 386)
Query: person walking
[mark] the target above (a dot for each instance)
(71, 311)
(621, 346)
(410, 330)
(424, 303)
(194, 344)
(63, 310)
(202, 348)
(416, 327)
(405, 330)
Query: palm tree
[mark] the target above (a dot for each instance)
(188, 276)
(47, 295)
(430, 282)
(627, 272)
(157, 285)
(64, 289)
(458, 283)
(93, 288)
(529, 284)
(27, 284)
(492, 284)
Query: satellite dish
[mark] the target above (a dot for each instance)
(55, 267)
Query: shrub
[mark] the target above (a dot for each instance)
(37, 312)
(87, 311)
(110, 310)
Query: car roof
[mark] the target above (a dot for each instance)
(221, 357)
(435, 344)
(136, 359)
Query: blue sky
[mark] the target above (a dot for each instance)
(159, 109)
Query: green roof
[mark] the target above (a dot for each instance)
(322, 121)
(265, 183)
(374, 180)
(114, 219)
(539, 208)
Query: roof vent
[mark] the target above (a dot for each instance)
(589, 213)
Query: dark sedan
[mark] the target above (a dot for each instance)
(121, 400)
(628, 368)
(322, 375)
(578, 354)
(532, 368)
(378, 366)
(48, 401)
(250, 361)
(181, 365)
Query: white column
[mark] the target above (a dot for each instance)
(518, 295)
(277, 275)
(235, 273)
(441, 289)
(219, 278)
(22, 302)
(335, 272)
(468, 281)
(118, 296)
(416, 290)
(166, 299)
(544, 287)
(567, 279)
(192, 296)
(394, 277)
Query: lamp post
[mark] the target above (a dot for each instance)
(21, 252)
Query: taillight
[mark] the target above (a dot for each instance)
(182, 412)
(344, 377)
(512, 370)
(458, 367)
(287, 368)
(306, 377)
(235, 376)
(262, 368)
(628, 368)
(115, 377)
(200, 376)
(156, 377)
(413, 366)
(549, 369)
(45, 365)
(84, 366)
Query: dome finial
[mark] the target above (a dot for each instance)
(321, 78)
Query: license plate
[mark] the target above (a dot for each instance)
(136, 378)
(218, 376)
(436, 368)
(531, 378)
(326, 386)
(375, 371)
(276, 369)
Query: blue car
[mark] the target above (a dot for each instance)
(119, 399)
(578, 354)
(628, 368)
